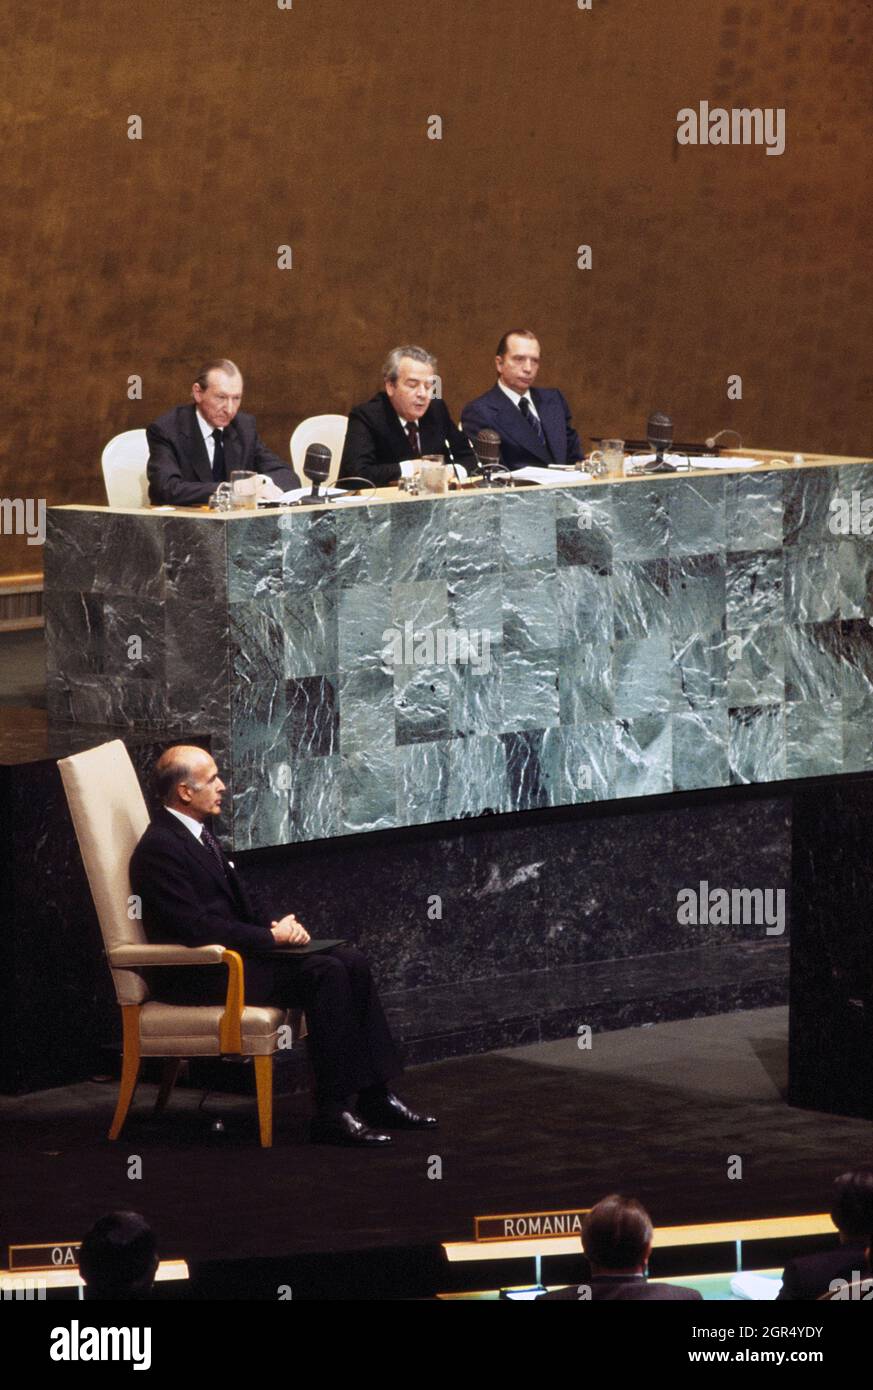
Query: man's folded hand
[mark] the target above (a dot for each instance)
(289, 932)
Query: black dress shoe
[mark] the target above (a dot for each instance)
(389, 1112)
(346, 1129)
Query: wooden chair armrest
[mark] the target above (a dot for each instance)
(144, 954)
(230, 1028)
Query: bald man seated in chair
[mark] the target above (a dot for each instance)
(192, 895)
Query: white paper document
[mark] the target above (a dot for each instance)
(554, 477)
(758, 1287)
(725, 462)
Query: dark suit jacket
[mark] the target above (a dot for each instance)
(519, 441)
(178, 468)
(376, 442)
(809, 1276)
(188, 900)
(635, 1289)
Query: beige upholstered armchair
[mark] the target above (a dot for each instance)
(109, 815)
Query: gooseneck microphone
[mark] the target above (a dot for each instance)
(487, 450)
(316, 467)
(659, 433)
(711, 443)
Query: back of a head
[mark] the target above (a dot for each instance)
(616, 1233)
(118, 1257)
(852, 1204)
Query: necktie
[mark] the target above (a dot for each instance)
(218, 472)
(533, 421)
(412, 431)
(214, 848)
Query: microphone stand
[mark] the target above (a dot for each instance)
(452, 461)
(659, 463)
(315, 495)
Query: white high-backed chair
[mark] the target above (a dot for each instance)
(109, 815)
(319, 429)
(124, 469)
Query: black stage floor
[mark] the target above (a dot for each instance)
(654, 1111)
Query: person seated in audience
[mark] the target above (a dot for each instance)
(118, 1258)
(387, 433)
(807, 1277)
(617, 1239)
(859, 1288)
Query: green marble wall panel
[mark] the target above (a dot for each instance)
(384, 666)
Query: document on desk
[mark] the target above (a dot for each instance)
(685, 461)
(548, 477)
(725, 462)
(294, 494)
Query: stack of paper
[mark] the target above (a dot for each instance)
(759, 1287)
(549, 477)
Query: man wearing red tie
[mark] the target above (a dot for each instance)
(401, 423)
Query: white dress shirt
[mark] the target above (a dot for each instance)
(515, 398)
(193, 825)
(206, 430)
(408, 466)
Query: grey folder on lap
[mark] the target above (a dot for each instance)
(310, 949)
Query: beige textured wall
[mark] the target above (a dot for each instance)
(308, 126)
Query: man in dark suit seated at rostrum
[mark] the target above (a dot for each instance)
(617, 1240)
(534, 423)
(399, 424)
(807, 1277)
(192, 895)
(195, 447)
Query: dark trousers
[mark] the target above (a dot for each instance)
(350, 1043)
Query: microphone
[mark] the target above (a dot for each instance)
(316, 467)
(486, 447)
(659, 433)
(711, 443)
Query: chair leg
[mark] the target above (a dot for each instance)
(264, 1088)
(129, 1066)
(169, 1073)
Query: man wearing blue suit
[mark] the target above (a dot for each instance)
(534, 424)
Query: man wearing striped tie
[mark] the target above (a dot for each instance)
(534, 423)
(387, 433)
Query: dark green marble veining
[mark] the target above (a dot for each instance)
(622, 640)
